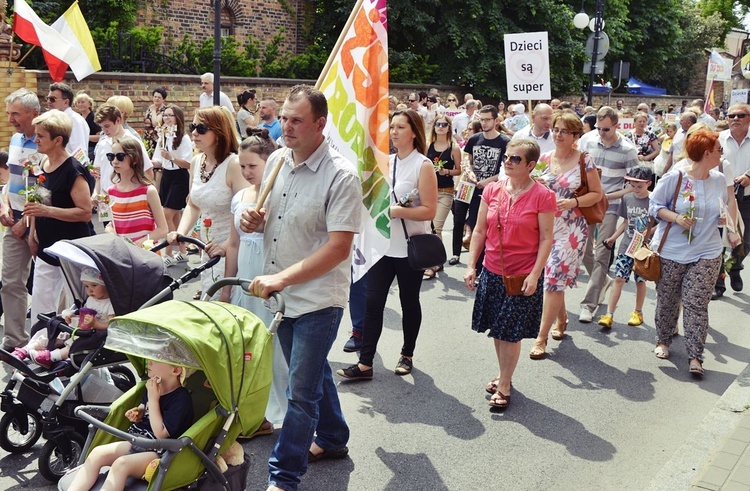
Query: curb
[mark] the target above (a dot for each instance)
(692, 460)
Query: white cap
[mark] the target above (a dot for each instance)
(519, 108)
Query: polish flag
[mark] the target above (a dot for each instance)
(29, 27)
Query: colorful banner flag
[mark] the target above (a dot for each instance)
(356, 86)
(29, 27)
(82, 59)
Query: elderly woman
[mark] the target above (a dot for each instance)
(514, 227)
(563, 175)
(59, 207)
(646, 143)
(152, 120)
(692, 252)
(217, 177)
(84, 104)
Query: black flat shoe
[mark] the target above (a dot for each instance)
(453, 261)
(328, 455)
(354, 372)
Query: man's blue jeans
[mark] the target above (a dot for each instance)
(314, 408)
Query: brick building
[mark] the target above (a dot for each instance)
(261, 19)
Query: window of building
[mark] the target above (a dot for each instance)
(227, 22)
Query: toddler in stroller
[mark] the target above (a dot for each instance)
(166, 412)
(95, 314)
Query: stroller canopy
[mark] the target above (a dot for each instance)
(228, 343)
(132, 275)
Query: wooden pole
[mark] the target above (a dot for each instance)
(339, 42)
(24, 56)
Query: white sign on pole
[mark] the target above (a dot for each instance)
(527, 66)
(719, 68)
(739, 96)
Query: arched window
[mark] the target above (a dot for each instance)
(227, 22)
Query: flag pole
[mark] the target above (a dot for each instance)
(33, 46)
(339, 42)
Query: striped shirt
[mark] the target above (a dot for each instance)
(614, 162)
(131, 215)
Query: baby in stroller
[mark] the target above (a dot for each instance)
(167, 412)
(95, 314)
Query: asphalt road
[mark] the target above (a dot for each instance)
(601, 412)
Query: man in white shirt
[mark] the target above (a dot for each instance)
(538, 130)
(60, 97)
(687, 119)
(207, 96)
(697, 107)
(461, 121)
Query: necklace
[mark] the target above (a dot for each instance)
(558, 163)
(205, 175)
(515, 192)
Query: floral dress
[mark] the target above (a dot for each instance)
(643, 142)
(571, 230)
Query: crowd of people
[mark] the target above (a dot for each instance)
(520, 186)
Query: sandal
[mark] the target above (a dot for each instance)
(438, 269)
(558, 333)
(662, 353)
(500, 400)
(429, 274)
(696, 368)
(492, 386)
(538, 351)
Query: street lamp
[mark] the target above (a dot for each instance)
(217, 51)
(580, 21)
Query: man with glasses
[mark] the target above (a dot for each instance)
(462, 120)
(485, 151)
(736, 144)
(538, 130)
(614, 155)
(207, 96)
(687, 119)
(60, 97)
(415, 103)
(110, 119)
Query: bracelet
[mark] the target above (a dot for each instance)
(576, 197)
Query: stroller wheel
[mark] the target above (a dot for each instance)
(16, 439)
(53, 464)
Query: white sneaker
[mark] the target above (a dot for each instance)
(169, 261)
(585, 316)
(179, 258)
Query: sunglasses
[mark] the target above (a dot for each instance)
(603, 129)
(451, 100)
(51, 99)
(441, 125)
(120, 156)
(513, 159)
(736, 115)
(201, 128)
(412, 100)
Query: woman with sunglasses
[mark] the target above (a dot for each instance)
(413, 192)
(563, 175)
(216, 177)
(445, 156)
(58, 206)
(514, 228)
(174, 150)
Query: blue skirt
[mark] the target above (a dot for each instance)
(507, 317)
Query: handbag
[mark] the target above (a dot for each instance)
(424, 250)
(514, 282)
(646, 261)
(594, 213)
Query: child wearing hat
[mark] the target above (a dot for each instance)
(634, 209)
(95, 314)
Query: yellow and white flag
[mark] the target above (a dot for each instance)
(82, 59)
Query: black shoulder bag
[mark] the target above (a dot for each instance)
(425, 250)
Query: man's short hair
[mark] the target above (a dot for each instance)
(207, 77)
(470, 103)
(107, 112)
(489, 109)
(607, 112)
(690, 116)
(315, 97)
(271, 100)
(28, 99)
(65, 90)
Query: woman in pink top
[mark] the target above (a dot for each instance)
(514, 226)
(136, 208)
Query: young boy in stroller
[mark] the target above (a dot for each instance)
(167, 412)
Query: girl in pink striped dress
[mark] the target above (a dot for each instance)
(133, 200)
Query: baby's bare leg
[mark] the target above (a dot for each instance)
(128, 465)
(101, 456)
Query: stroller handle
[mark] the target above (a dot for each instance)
(245, 285)
(180, 238)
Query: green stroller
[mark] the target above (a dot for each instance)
(230, 350)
